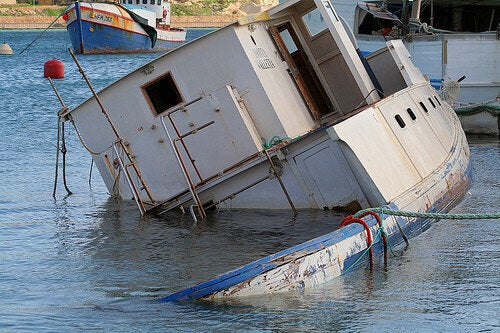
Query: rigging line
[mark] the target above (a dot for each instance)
(57, 156)
(40, 34)
(63, 151)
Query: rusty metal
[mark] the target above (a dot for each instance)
(231, 168)
(281, 182)
(185, 171)
(185, 147)
(192, 186)
(115, 130)
(232, 195)
(131, 184)
(60, 138)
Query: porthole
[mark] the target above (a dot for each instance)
(400, 121)
(424, 107)
(411, 114)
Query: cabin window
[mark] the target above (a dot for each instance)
(314, 22)
(424, 107)
(411, 114)
(437, 100)
(158, 2)
(400, 121)
(432, 103)
(152, 2)
(144, 2)
(130, 1)
(288, 40)
(163, 94)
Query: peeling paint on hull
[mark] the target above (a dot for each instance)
(316, 261)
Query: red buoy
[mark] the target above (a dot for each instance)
(53, 69)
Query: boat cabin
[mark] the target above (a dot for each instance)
(161, 8)
(199, 123)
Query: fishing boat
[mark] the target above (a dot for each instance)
(278, 110)
(125, 27)
(456, 44)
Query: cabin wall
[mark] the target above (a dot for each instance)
(287, 106)
(417, 145)
(393, 67)
(229, 111)
(332, 64)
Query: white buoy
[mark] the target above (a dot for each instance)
(5, 49)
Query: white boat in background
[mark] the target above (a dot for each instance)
(456, 44)
(279, 111)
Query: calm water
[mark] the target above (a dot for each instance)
(88, 263)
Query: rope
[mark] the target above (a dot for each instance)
(274, 141)
(84, 144)
(350, 219)
(381, 231)
(368, 249)
(395, 212)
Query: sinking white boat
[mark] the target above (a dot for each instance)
(456, 45)
(279, 111)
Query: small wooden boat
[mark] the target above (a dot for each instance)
(126, 27)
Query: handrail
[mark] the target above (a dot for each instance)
(131, 184)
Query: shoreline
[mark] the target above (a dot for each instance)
(42, 22)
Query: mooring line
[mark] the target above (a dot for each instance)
(439, 216)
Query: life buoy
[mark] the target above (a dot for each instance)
(165, 12)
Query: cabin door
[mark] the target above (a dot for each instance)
(301, 69)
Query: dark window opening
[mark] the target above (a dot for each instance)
(400, 121)
(432, 102)
(424, 107)
(163, 94)
(437, 100)
(412, 115)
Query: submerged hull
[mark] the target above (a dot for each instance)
(273, 127)
(107, 28)
(322, 259)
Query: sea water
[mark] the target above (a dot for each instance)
(87, 262)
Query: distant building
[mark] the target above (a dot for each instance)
(7, 2)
